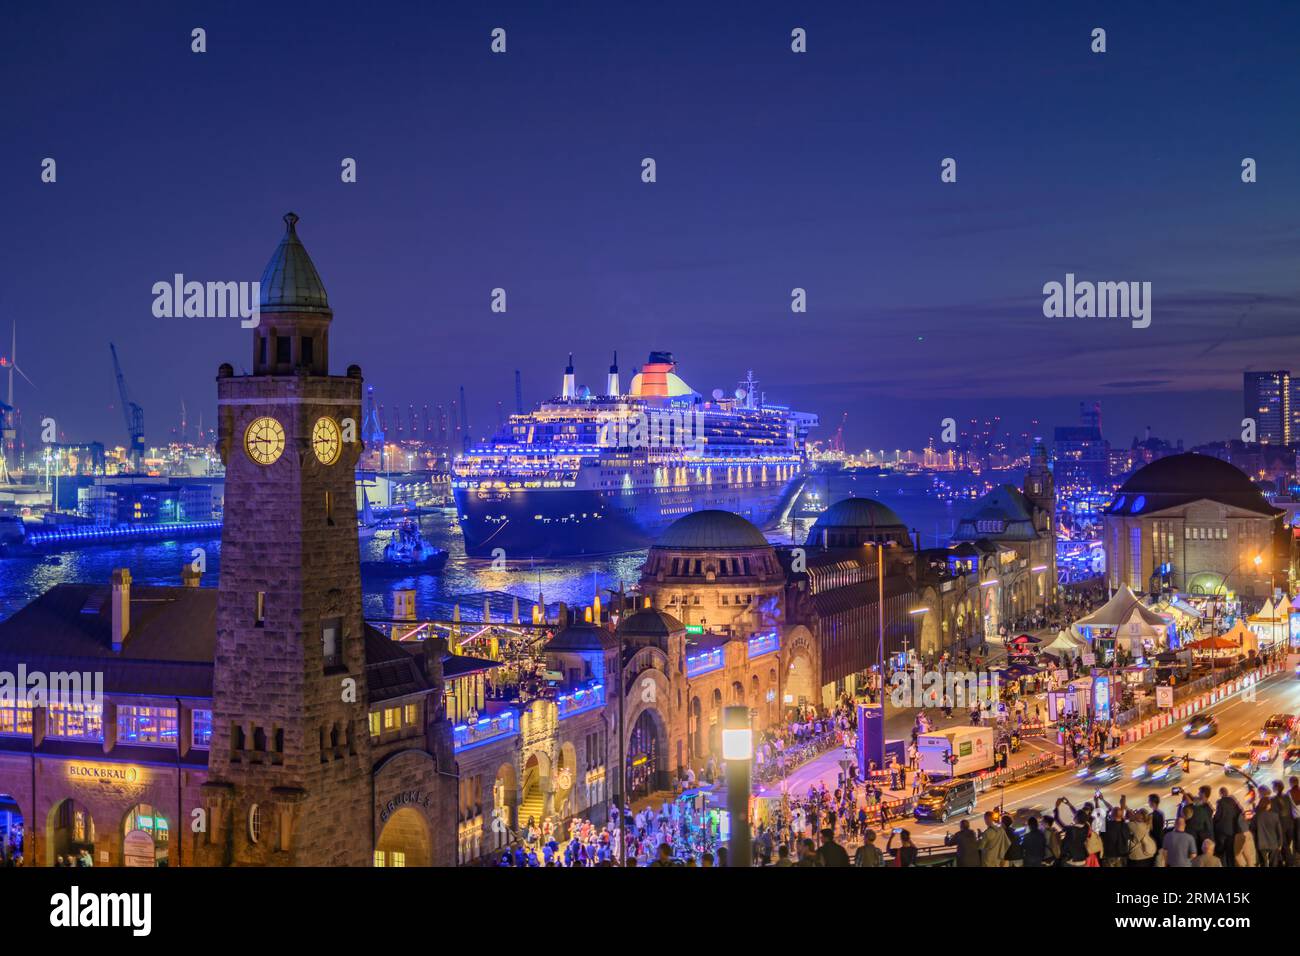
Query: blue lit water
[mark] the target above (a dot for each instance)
(464, 580)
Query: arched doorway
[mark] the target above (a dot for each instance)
(799, 681)
(12, 832)
(991, 617)
(69, 830)
(532, 805)
(505, 798)
(647, 755)
(146, 837)
(930, 637)
(404, 840)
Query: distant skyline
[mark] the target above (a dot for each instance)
(775, 170)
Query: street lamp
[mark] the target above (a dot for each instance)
(738, 752)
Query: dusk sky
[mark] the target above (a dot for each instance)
(775, 170)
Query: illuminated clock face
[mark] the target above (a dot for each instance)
(326, 440)
(264, 440)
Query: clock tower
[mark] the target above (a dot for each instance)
(289, 767)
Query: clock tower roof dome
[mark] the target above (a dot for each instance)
(290, 282)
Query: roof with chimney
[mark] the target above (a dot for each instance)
(170, 645)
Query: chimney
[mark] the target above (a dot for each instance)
(570, 388)
(121, 607)
(611, 387)
(190, 575)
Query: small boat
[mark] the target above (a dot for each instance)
(407, 553)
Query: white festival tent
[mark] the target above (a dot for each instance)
(1126, 619)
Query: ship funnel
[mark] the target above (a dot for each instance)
(611, 386)
(570, 389)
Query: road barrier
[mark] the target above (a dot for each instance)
(1220, 692)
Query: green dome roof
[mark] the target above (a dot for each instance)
(290, 282)
(650, 622)
(712, 531)
(857, 513)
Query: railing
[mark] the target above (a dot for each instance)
(795, 755)
(465, 736)
(703, 662)
(761, 644)
(581, 700)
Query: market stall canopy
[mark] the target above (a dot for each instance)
(1025, 639)
(1269, 614)
(1213, 644)
(1178, 606)
(1066, 644)
(1120, 610)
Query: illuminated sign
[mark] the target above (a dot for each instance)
(1101, 698)
(694, 628)
(113, 773)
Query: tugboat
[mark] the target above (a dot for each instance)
(407, 553)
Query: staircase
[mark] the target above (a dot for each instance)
(531, 806)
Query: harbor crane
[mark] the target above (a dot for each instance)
(132, 413)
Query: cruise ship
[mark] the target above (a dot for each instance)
(595, 474)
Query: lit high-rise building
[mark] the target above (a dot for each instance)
(1268, 400)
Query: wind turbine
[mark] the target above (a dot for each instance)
(10, 431)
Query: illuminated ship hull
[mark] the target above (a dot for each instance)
(567, 522)
(598, 474)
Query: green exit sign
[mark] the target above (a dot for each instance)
(694, 628)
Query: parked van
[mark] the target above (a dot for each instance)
(943, 800)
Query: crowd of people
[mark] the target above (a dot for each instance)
(1197, 831)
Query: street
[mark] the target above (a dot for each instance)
(1239, 721)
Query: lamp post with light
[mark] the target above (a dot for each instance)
(738, 752)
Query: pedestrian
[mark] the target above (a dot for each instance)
(1116, 839)
(1179, 848)
(807, 854)
(1033, 846)
(1207, 856)
(831, 853)
(1142, 845)
(1267, 828)
(868, 854)
(905, 853)
(967, 844)
(1015, 855)
(993, 842)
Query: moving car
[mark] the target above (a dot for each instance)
(1241, 762)
(1265, 747)
(1291, 760)
(1283, 725)
(1162, 768)
(943, 800)
(1103, 769)
(1201, 725)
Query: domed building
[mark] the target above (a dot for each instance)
(855, 522)
(714, 630)
(1195, 523)
(834, 592)
(715, 569)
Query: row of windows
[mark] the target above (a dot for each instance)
(739, 599)
(1205, 534)
(148, 726)
(394, 718)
